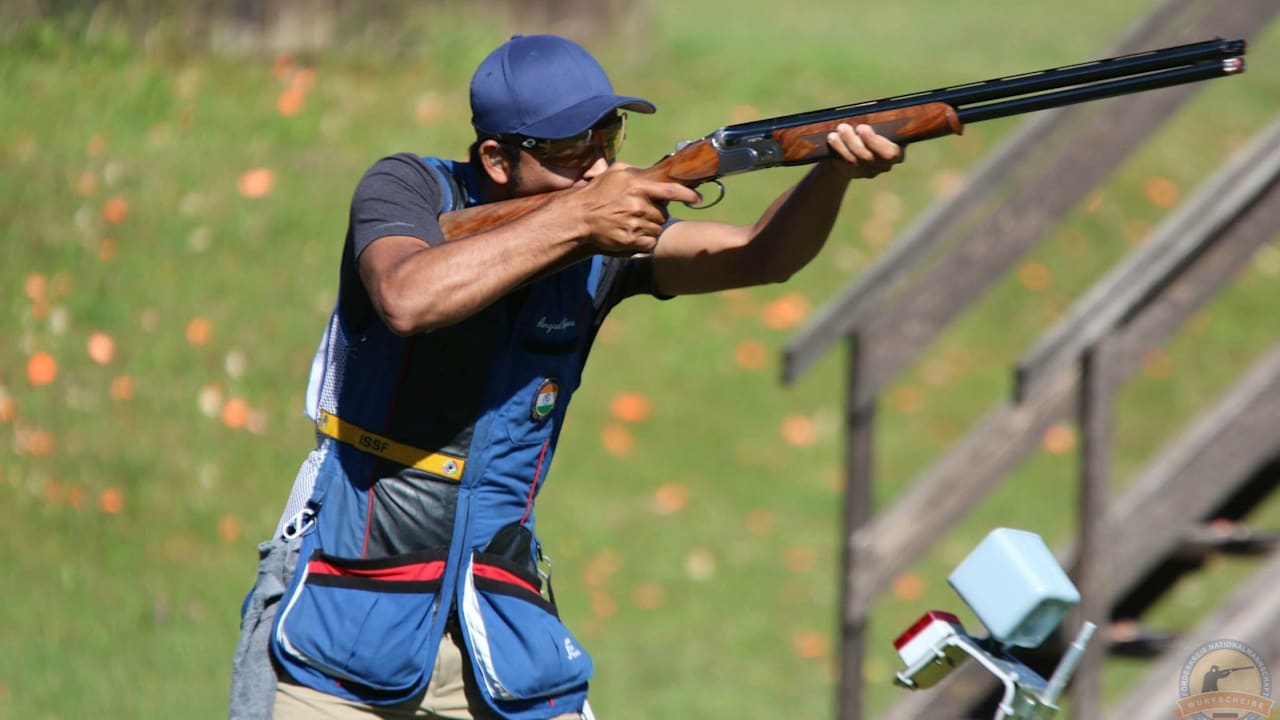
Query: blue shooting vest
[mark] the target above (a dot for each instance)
(368, 628)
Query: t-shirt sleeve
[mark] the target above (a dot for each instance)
(620, 278)
(399, 195)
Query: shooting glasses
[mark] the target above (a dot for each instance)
(578, 151)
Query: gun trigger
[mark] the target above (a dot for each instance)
(706, 205)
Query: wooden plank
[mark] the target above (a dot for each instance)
(1251, 616)
(1181, 236)
(858, 496)
(1091, 573)
(853, 306)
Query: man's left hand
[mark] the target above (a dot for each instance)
(860, 152)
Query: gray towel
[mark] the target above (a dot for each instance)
(253, 675)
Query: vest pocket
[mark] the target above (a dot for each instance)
(365, 621)
(527, 663)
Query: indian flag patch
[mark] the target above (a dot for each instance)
(544, 399)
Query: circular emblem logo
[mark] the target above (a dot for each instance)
(450, 467)
(544, 399)
(1224, 679)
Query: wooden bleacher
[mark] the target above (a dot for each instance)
(944, 263)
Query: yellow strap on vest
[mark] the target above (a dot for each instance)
(446, 466)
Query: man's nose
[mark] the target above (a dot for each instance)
(598, 166)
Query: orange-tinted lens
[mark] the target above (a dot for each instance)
(582, 150)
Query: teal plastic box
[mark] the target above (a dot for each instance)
(1015, 586)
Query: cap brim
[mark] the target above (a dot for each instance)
(578, 118)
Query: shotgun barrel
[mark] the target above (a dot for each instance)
(1029, 92)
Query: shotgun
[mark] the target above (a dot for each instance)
(801, 138)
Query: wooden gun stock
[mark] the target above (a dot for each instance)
(699, 162)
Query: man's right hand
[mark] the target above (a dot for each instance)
(622, 211)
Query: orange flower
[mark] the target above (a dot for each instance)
(603, 604)
(37, 442)
(810, 645)
(229, 528)
(799, 430)
(111, 501)
(87, 183)
(750, 355)
(235, 413)
(290, 103)
(257, 182)
(630, 407)
(303, 80)
(1034, 276)
(122, 387)
(102, 349)
(115, 210)
(75, 497)
(107, 249)
(786, 312)
(199, 331)
(1059, 439)
(1157, 364)
(671, 498)
(1162, 192)
(907, 399)
(35, 287)
(617, 440)
(601, 568)
(799, 558)
(908, 587)
(42, 368)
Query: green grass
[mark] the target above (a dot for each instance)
(134, 614)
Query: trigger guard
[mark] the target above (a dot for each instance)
(706, 205)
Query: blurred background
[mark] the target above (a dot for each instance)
(174, 180)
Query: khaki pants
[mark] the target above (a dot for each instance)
(450, 695)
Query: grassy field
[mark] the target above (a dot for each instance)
(170, 226)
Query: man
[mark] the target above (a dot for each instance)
(404, 578)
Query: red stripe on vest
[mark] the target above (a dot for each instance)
(415, 572)
(498, 574)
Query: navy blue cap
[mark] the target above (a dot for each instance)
(543, 86)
